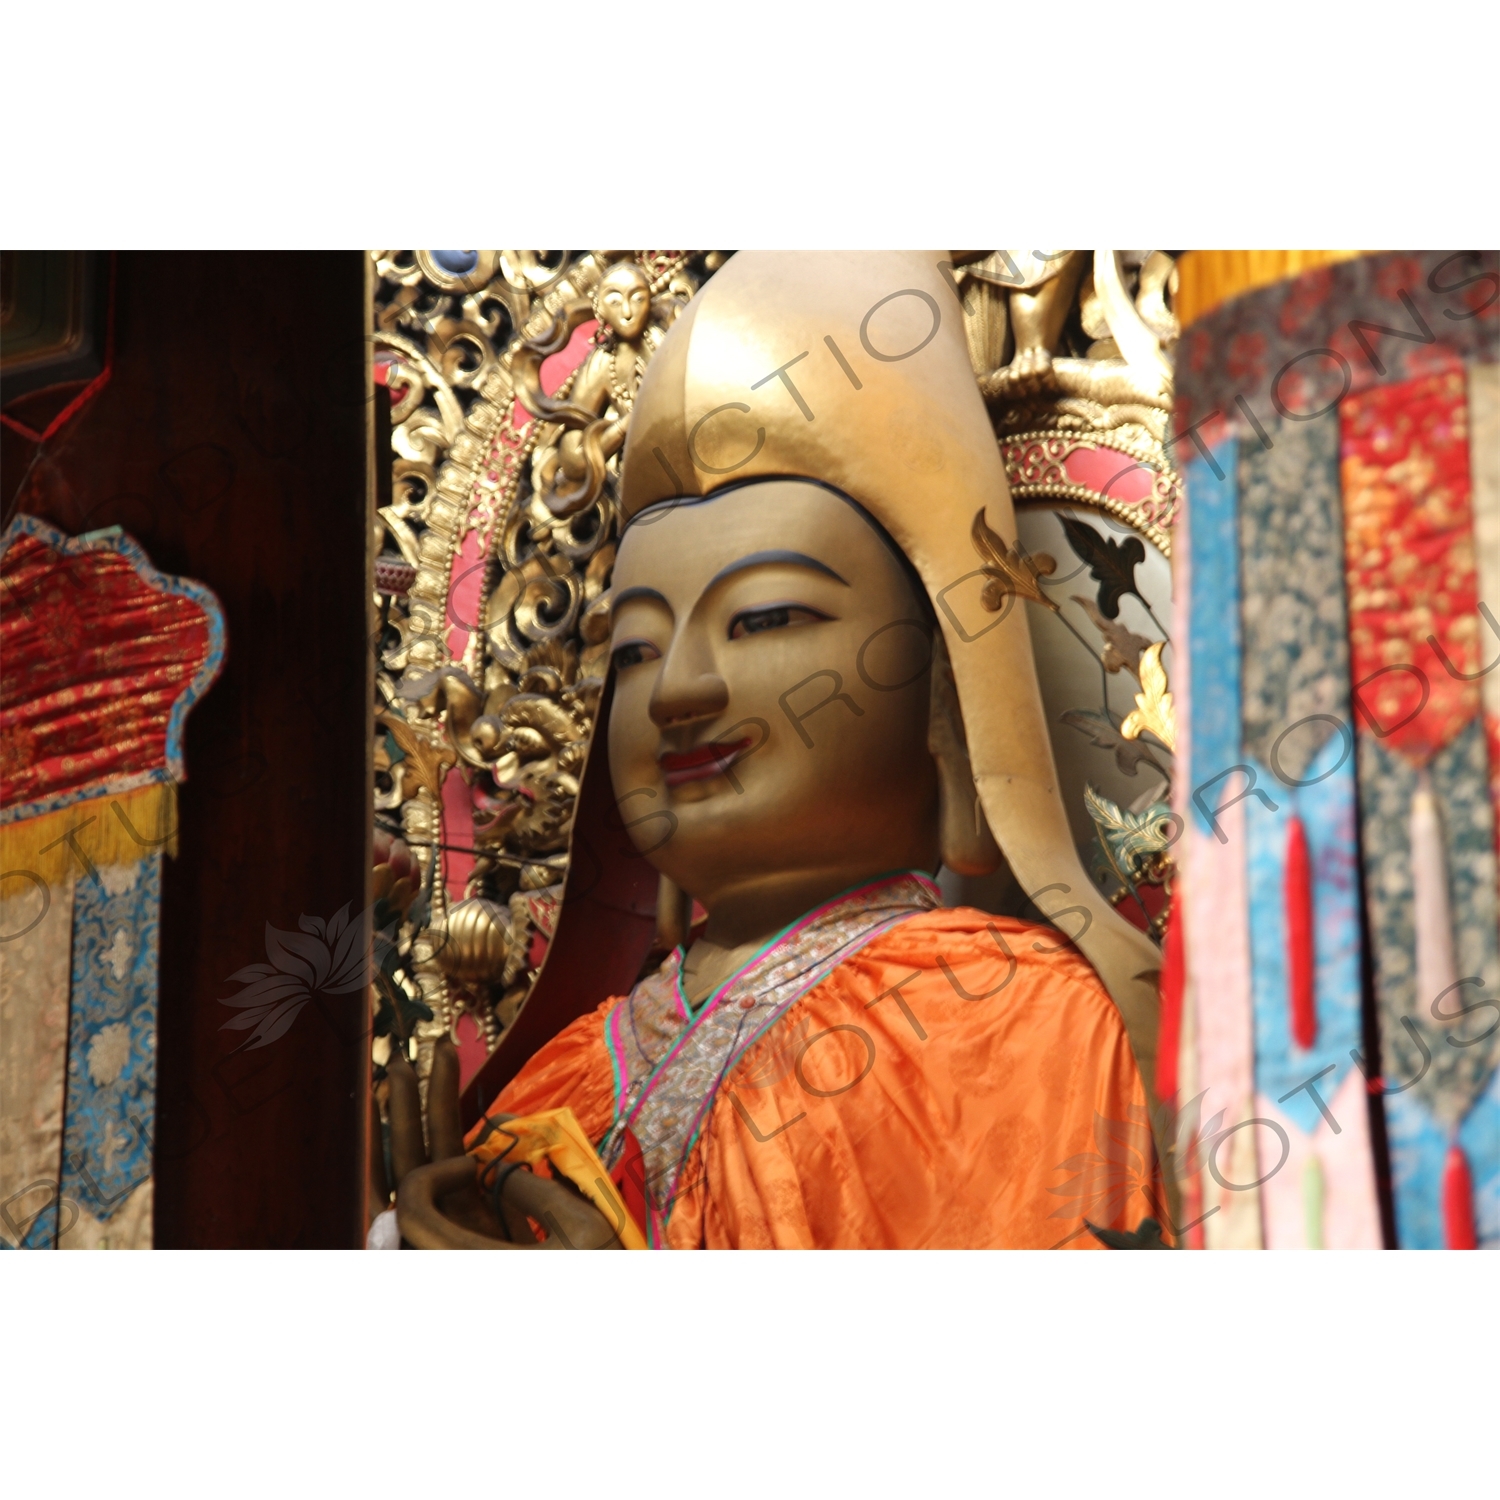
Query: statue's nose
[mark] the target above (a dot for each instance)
(684, 698)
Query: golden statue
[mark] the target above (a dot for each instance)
(822, 689)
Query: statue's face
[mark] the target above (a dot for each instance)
(625, 300)
(771, 694)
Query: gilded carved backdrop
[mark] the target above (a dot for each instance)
(510, 376)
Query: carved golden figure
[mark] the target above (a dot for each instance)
(569, 472)
(1025, 298)
(1041, 286)
(819, 695)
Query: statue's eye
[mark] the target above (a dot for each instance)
(773, 617)
(632, 653)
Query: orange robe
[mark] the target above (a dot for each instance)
(886, 1108)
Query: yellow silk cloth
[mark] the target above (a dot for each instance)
(554, 1135)
(111, 829)
(1209, 278)
(963, 1080)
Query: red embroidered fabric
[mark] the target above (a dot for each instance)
(93, 658)
(1409, 555)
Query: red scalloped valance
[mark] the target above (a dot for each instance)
(101, 657)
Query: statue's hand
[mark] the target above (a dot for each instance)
(438, 1203)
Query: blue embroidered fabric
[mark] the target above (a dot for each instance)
(110, 1117)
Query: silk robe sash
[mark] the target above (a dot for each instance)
(669, 1061)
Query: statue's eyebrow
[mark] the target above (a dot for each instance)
(786, 559)
(637, 593)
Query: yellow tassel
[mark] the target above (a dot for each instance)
(117, 829)
(1312, 1202)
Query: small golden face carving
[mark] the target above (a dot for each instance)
(770, 713)
(624, 299)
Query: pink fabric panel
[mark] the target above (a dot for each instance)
(1351, 1214)
(1218, 959)
(1182, 782)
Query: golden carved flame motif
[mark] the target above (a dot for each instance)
(499, 479)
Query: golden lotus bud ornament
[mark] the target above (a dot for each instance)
(478, 937)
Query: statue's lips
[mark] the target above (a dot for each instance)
(712, 759)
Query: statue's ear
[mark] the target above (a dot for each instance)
(968, 846)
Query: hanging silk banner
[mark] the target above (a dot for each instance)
(1214, 859)
(1425, 794)
(1301, 843)
(101, 658)
(1341, 541)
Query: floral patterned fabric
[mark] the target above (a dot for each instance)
(111, 1100)
(1420, 1144)
(101, 658)
(1214, 853)
(1415, 633)
(1295, 634)
(1327, 812)
(35, 924)
(1355, 488)
(1295, 707)
(1445, 1077)
(1302, 345)
(670, 1062)
(1409, 539)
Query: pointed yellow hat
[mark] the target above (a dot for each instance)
(852, 368)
